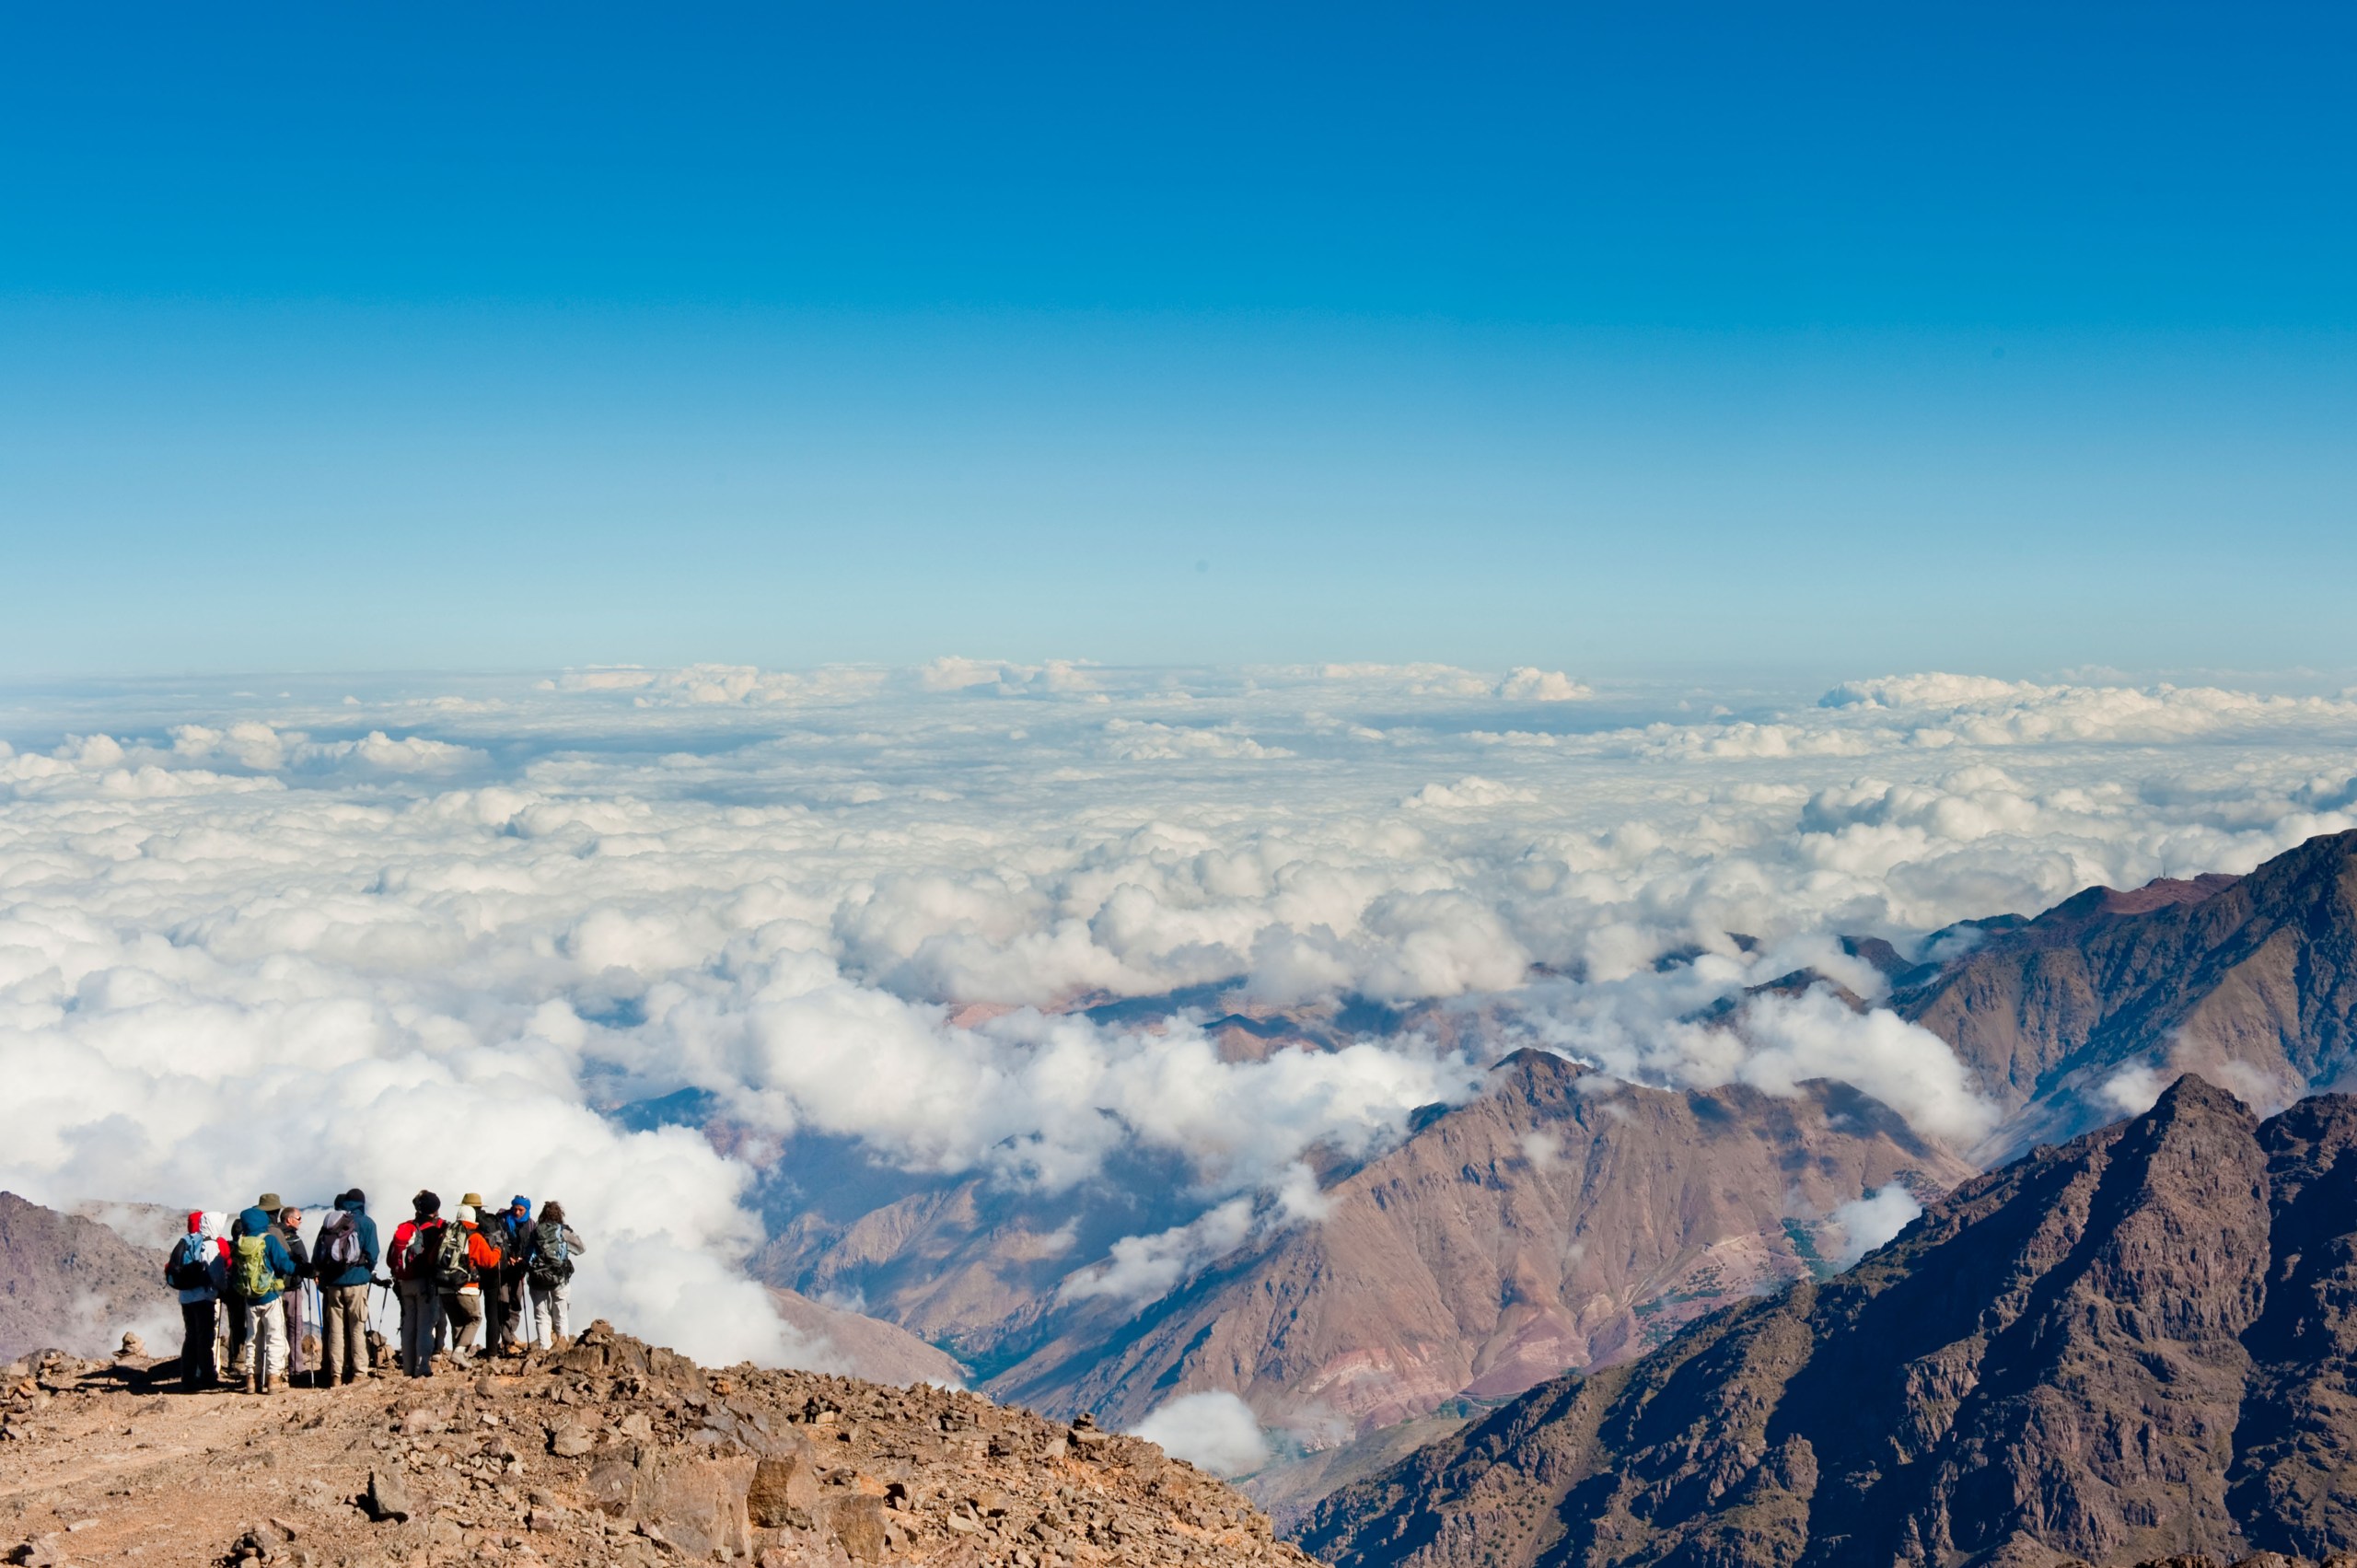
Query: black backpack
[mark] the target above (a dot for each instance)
(191, 1267)
(339, 1244)
(425, 1244)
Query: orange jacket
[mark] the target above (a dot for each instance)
(479, 1252)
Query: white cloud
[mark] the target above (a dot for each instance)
(1793, 1040)
(2134, 1089)
(1863, 1224)
(378, 750)
(1144, 740)
(780, 888)
(1528, 685)
(1144, 1267)
(1216, 1431)
(1468, 793)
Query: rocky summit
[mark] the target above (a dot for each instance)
(2136, 1346)
(609, 1451)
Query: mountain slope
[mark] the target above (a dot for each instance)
(1559, 1219)
(71, 1284)
(2128, 1346)
(869, 1347)
(2251, 980)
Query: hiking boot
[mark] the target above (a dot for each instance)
(269, 1384)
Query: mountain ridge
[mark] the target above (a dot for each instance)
(2076, 1355)
(2250, 980)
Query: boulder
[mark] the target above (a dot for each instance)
(858, 1523)
(697, 1504)
(388, 1500)
(784, 1491)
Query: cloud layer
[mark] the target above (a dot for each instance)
(304, 941)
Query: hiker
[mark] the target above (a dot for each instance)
(198, 1270)
(299, 1371)
(511, 1313)
(416, 1242)
(464, 1259)
(345, 1262)
(238, 1356)
(548, 1264)
(261, 1268)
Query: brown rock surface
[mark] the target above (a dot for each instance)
(2131, 1347)
(70, 1284)
(779, 1468)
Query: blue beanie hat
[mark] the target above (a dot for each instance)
(520, 1202)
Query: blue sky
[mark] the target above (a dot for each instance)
(1828, 339)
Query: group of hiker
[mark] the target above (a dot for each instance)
(477, 1283)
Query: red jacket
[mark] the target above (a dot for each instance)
(481, 1252)
(397, 1254)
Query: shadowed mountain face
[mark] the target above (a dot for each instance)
(2251, 980)
(2134, 1345)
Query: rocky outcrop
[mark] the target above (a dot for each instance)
(610, 1451)
(2132, 1346)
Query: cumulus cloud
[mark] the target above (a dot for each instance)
(1144, 1267)
(1908, 1068)
(1527, 684)
(1984, 711)
(720, 685)
(1468, 793)
(410, 754)
(863, 903)
(1144, 740)
(1216, 1431)
(1055, 677)
(1863, 1224)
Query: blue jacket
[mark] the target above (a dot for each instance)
(360, 1273)
(255, 1222)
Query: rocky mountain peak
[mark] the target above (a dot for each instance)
(2126, 1347)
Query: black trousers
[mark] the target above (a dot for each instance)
(503, 1304)
(197, 1370)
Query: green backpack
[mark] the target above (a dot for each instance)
(454, 1269)
(254, 1276)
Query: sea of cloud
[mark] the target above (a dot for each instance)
(434, 936)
